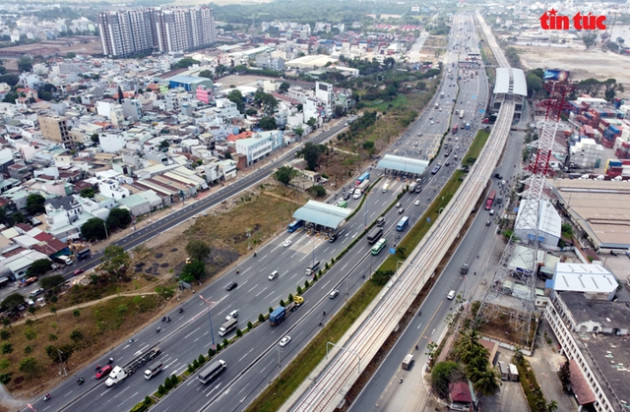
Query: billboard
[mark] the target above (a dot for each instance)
(556, 75)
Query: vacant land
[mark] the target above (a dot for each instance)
(582, 63)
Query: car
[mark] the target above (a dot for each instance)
(104, 371)
(488, 222)
(431, 121)
(36, 292)
(451, 295)
(491, 212)
(346, 196)
(333, 294)
(231, 286)
(401, 210)
(333, 238)
(447, 164)
(284, 341)
(498, 176)
(286, 243)
(78, 272)
(417, 202)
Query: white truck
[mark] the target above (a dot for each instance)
(412, 187)
(120, 373)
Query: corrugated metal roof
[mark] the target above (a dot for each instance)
(322, 214)
(403, 164)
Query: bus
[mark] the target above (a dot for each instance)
(402, 223)
(295, 225)
(212, 371)
(375, 234)
(84, 254)
(228, 327)
(490, 199)
(360, 179)
(376, 249)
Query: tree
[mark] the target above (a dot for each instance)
(18, 217)
(381, 277)
(552, 406)
(118, 218)
(59, 354)
(298, 131)
(317, 191)
(284, 87)
(589, 39)
(284, 174)
(312, 122)
(29, 367)
(94, 138)
(11, 302)
(88, 192)
(192, 271)
(442, 375)
(94, 229)
(25, 64)
(116, 262)
(198, 250)
(534, 83)
(35, 204)
(185, 63)
(50, 282)
(71, 55)
(10, 79)
(339, 111)
(564, 374)
(164, 144)
(236, 97)
(311, 153)
(207, 74)
(39, 267)
(265, 101)
(487, 384)
(268, 123)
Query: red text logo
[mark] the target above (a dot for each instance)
(551, 20)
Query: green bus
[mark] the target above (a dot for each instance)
(376, 249)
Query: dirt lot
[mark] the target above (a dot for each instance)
(581, 63)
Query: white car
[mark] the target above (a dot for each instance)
(451, 295)
(286, 243)
(284, 341)
(417, 202)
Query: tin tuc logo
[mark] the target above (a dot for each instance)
(551, 20)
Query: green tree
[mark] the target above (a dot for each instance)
(284, 87)
(564, 374)
(195, 270)
(312, 122)
(207, 74)
(198, 250)
(116, 262)
(7, 348)
(317, 191)
(266, 102)
(94, 229)
(284, 174)
(59, 354)
(25, 64)
(236, 97)
(18, 217)
(487, 384)
(88, 192)
(11, 302)
(39, 267)
(268, 123)
(589, 39)
(29, 367)
(94, 138)
(534, 83)
(381, 277)
(118, 218)
(35, 204)
(442, 375)
(185, 63)
(10, 79)
(298, 131)
(312, 153)
(164, 144)
(70, 55)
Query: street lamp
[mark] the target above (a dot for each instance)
(209, 318)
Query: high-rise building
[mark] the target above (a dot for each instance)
(55, 128)
(128, 32)
(125, 33)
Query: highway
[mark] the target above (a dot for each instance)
(256, 355)
(327, 385)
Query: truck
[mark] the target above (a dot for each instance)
(280, 313)
(64, 260)
(412, 187)
(120, 373)
(363, 185)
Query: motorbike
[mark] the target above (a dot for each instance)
(181, 310)
(47, 397)
(110, 360)
(80, 380)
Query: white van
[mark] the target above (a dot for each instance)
(273, 275)
(357, 194)
(153, 370)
